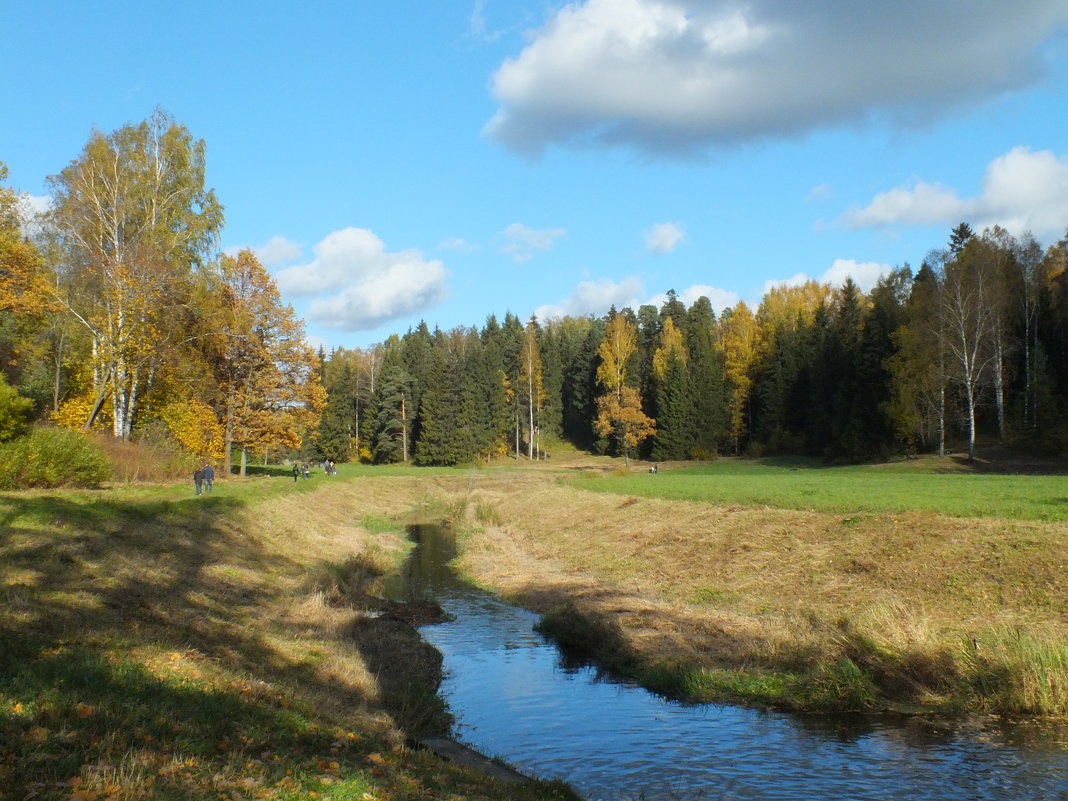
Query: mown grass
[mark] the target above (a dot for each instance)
(158, 645)
(945, 488)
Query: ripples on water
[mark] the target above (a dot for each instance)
(514, 696)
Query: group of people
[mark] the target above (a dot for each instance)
(203, 478)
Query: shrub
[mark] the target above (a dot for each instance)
(52, 457)
(151, 457)
(14, 411)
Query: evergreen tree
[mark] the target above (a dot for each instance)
(707, 394)
(391, 438)
(337, 424)
(671, 396)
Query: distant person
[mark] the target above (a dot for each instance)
(209, 476)
(296, 472)
(198, 479)
(304, 471)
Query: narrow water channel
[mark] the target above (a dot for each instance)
(514, 695)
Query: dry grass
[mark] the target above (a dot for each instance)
(697, 588)
(159, 645)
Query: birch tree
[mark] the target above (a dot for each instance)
(134, 219)
(531, 385)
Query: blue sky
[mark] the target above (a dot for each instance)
(445, 160)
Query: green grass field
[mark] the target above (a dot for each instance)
(898, 488)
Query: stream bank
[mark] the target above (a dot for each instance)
(516, 696)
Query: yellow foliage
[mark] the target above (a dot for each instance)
(73, 413)
(740, 337)
(671, 342)
(194, 426)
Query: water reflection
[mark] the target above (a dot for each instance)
(514, 695)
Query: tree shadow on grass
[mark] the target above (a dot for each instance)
(84, 579)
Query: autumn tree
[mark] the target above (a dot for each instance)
(619, 409)
(530, 385)
(134, 219)
(26, 301)
(969, 318)
(270, 394)
(739, 337)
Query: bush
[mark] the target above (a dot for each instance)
(52, 457)
(152, 457)
(14, 412)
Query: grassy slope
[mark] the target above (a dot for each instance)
(158, 645)
(846, 606)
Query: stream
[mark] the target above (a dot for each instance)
(514, 695)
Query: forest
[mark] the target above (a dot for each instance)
(119, 314)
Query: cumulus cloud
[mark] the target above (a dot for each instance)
(595, 297)
(521, 242)
(278, 250)
(356, 285)
(1022, 191)
(663, 237)
(719, 298)
(675, 76)
(864, 274)
(797, 279)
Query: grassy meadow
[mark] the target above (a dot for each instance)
(154, 644)
(940, 486)
(915, 587)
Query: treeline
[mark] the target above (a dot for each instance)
(118, 313)
(973, 345)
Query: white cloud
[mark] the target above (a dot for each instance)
(678, 75)
(797, 279)
(278, 250)
(595, 297)
(521, 242)
(29, 207)
(719, 298)
(458, 243)
(1022, 191)
(864, 274)
(663, 237)
(818, 194)
(359, 285)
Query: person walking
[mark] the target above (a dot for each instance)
(198, 479)
(209, 476)
(296, 471)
